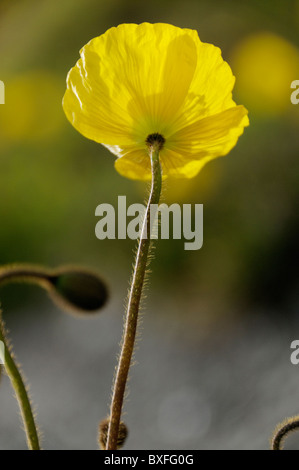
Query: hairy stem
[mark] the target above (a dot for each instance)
(282, 432)
(135, 293)
(20, 391)
(24, 272)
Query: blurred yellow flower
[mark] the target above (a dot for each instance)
(139, 80)
(31, 112)
(265, 64)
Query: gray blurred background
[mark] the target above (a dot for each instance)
(213, 366)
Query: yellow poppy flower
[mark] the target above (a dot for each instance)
(135, 81)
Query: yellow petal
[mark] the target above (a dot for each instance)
(130, 82)
(214, 135)
(189, 149)
(211, 89)
(135, 165)
(88, 106)
(180, 167)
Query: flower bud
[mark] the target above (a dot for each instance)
(73, 288)
(78, 289)
(103, 434)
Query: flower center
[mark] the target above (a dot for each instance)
(155, 141)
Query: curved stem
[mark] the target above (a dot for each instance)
(131, 318)
(23, 272)
(21, 393)
(282, 432)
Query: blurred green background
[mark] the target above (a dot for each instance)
(52, 178)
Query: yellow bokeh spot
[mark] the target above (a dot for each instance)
(265, 64)
(32, 110)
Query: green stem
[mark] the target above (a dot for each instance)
(131, 318)
(23, 272)
(21, 393)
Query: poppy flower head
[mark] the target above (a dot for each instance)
(139, 84)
